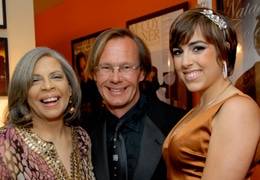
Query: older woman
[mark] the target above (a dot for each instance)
(39, 141)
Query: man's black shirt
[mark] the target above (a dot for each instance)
(130, 127)
(102, 124)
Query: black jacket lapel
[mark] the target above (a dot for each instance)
(99, 153)
(151, 150)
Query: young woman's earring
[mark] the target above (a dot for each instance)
(224, 71)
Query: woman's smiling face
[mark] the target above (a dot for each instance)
(196, 63)
(49, 94)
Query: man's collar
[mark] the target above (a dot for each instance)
(134, 114)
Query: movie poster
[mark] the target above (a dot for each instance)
(245, 15)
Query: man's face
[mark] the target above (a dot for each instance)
(118, 75)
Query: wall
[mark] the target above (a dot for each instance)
(20, 33)
(56, 27)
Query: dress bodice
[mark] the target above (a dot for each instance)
(185, 148)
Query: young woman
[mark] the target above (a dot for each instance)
(39, 141)
(219, 138)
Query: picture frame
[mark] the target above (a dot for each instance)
(82, 45)
(2, 15)
(245, 17)
(4, 67)
(153, 29)
(205, 3)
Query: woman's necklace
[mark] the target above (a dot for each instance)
(217, 96)
(194, 112)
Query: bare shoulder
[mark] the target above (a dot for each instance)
(240, 109)
(242, 104)
(234, 139)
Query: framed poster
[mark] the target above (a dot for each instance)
(245, 16)
(80, 50)
(2, 14)
(205, 3)
(153, 29)
(4, 67)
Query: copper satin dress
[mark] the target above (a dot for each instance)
(185, 148)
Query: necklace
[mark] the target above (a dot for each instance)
(196, 111)
(81, 168)
(217, 96)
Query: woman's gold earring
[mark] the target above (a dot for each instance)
(224, 71)
(71, 109)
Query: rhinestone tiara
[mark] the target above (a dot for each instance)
(220, 22)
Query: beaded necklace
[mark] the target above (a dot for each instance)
(48, 152)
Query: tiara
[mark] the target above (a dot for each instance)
(220, 22)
